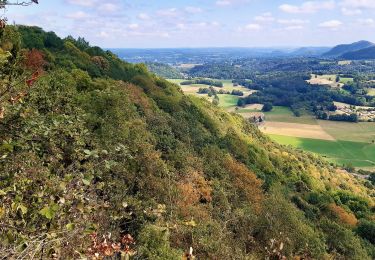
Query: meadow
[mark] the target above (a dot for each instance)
(342, 143)
(358, 154)
(284, 114)
(225, 101)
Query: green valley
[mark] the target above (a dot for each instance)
(103, 158)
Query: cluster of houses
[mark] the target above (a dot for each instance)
(365, 114)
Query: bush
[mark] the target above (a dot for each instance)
(267, 107)
(154, 243)
(366, 229)
(343, 242)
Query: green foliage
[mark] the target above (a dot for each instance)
(118, 150)
(267, 107)
(343, 242)
(366, 229)
(155, 244)
(164, 70)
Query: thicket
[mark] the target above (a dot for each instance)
(99, 147)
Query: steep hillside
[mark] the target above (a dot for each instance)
(164, 70)
(340, 50)
(97, 147)
(363, 54)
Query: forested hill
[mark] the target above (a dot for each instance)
(363, 54)
(342, 49)
(99, 157)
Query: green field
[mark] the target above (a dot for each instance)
(355, 132)
(371, 91)
(284, 114)
(340, 152)
(245, 110)
(345, 80)
(227, 101)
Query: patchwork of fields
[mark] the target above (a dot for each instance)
(341, 143)
(358, 154)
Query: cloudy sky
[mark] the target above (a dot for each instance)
(204, 23)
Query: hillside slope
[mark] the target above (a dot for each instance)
(99, 147)
(340, 50)
(363, 54)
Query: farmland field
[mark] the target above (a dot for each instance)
(329, 80)
(296, 130)
(371, 92)
(357, 132)
(339, 152)
(225, 101)
(345, 80)
(339, 142)
(284, 114)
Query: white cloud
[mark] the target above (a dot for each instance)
(332, 24)
(223, 2)
(133, 26)
(350, 12)
(108, 7)
(143, 16)
(366, 22)
(103, 34)
(78, 15)
(193, 10)
(293, 22)
(363, 4)
(253, 27)
(86, 3)
(294, 27)
(171, 12)
(266, 17)
(308, 7)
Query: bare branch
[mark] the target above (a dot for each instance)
(4, 3)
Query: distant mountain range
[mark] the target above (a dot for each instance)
(310, 51)
(357, 50)
(361, 50)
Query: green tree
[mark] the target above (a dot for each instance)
(267, 107)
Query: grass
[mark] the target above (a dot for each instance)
(371, 91)
(331, 77)
(284, 114)
(345, 80)
(340, 152)
(227, 101)
(245, 110)
(176, 81)
(355, 132)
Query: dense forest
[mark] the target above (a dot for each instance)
(101, 158)
(241, 69)
(164, 70)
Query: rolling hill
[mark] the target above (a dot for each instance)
(340, 50)
(102, 159)
(363, 54)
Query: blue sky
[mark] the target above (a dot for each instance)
(204, 23)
